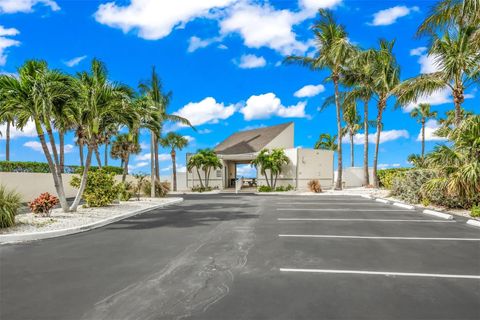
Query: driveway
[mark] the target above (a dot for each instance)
(251, 257)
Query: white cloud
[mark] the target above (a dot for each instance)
(430, 127)
(314, 5)
(146, 157)
(253, 127)
(436, 98)
(153, 19)
(75, 61)
(385, 136)
(27, 131)
(264, 26)
(389, 16)
(246, 170)
(37, 146)
(206, 111)
(6, 42)
(222, 46)
(204, 131)
(25, 6)
(266, 105)
(309, 91)
(138, 165)
(190, 139)
(428, 63)
(195, 43)
(251, 61)
(386, 165)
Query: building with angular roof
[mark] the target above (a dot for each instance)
(242, 147)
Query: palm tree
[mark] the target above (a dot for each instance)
(9, 119)
(100, 103)
(122, 147)
(210, 161)
(334, 49)
(352, 126)
(32, 96)
(158, 102)
(457, 59)
(326, 142)
(174, 141)
(457, 165)
(385, 86)
(273, 161)
(196, 162)
(422, 113)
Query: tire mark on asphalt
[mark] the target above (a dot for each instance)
(192, 282)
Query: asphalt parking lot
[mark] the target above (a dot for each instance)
(252, 257)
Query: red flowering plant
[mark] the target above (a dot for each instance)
(43, 204)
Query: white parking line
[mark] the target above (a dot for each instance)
(334, 202)
(344, 209)
(366, 220)
(384, 273)
(373, 237)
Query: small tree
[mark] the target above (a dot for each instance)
(205, 160)
(326, 142)
(273, 161)
(422, 113)
(174, 141)
(122, 147)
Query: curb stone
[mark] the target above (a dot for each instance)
(15, 238)
(473, 222)
(438, 214)
(403, 205)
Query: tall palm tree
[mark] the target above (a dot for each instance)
(326, 142)
(385, 86)
(32, 96)
(352, 126)
(174, 141)
(122, 147)
(100, 102)
(457, 59)
(158, 102)
(334, 49)
(422, 113)
(9, 119)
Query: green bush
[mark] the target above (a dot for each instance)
(101, 189)
(265, 189)
(10, 202)
(42, 167)
(386, 176)
(289, 187)
(475, 211)
(408, 185)
(126, 191)
(161, 188)
(201, 189)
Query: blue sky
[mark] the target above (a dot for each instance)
(222, 61)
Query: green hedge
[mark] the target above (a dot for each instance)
(386, 176)
(42, 167)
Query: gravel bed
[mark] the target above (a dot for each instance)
(29, 222)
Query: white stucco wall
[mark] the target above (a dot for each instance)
(284, 140)
(353, 176)
(315, 165)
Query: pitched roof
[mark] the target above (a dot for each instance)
(250, 141)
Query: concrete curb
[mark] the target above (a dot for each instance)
(13, 238)
(382, 200)
(404, 205)
(473, 222)
(366, 196)
(191, 192)
(438, 214)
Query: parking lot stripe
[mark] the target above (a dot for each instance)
(384, 273)
(343, 209)
(365, 220)
(374, 237)
(334, 202)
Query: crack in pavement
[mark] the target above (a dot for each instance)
(193, 281)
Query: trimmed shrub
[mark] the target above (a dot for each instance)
(126, 191)
(475, 211)
(161, 188)
(43, 204)
(10, 202)
(42, 167)
(408, 185)
(314, 186)
(265, 189)
(201, 189)
(289, 187)
(386, 176)
(101, 189)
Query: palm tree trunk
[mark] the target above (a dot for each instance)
(199, 177)
(53, 145)
(157, 166)
(275, 181)
(97, 156)
(122, 162)
(338, 185)
(266, 178)
(352, 160)
(125, 169)
(152, 165)
(61, 138)
(377, 144)
(458, 100)
(174, 170)
(271, 179)
(106, 153)
(423, 138)
(80, 149)
(366, 179)
(56, 180)
(7, 142)
(83, 182)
